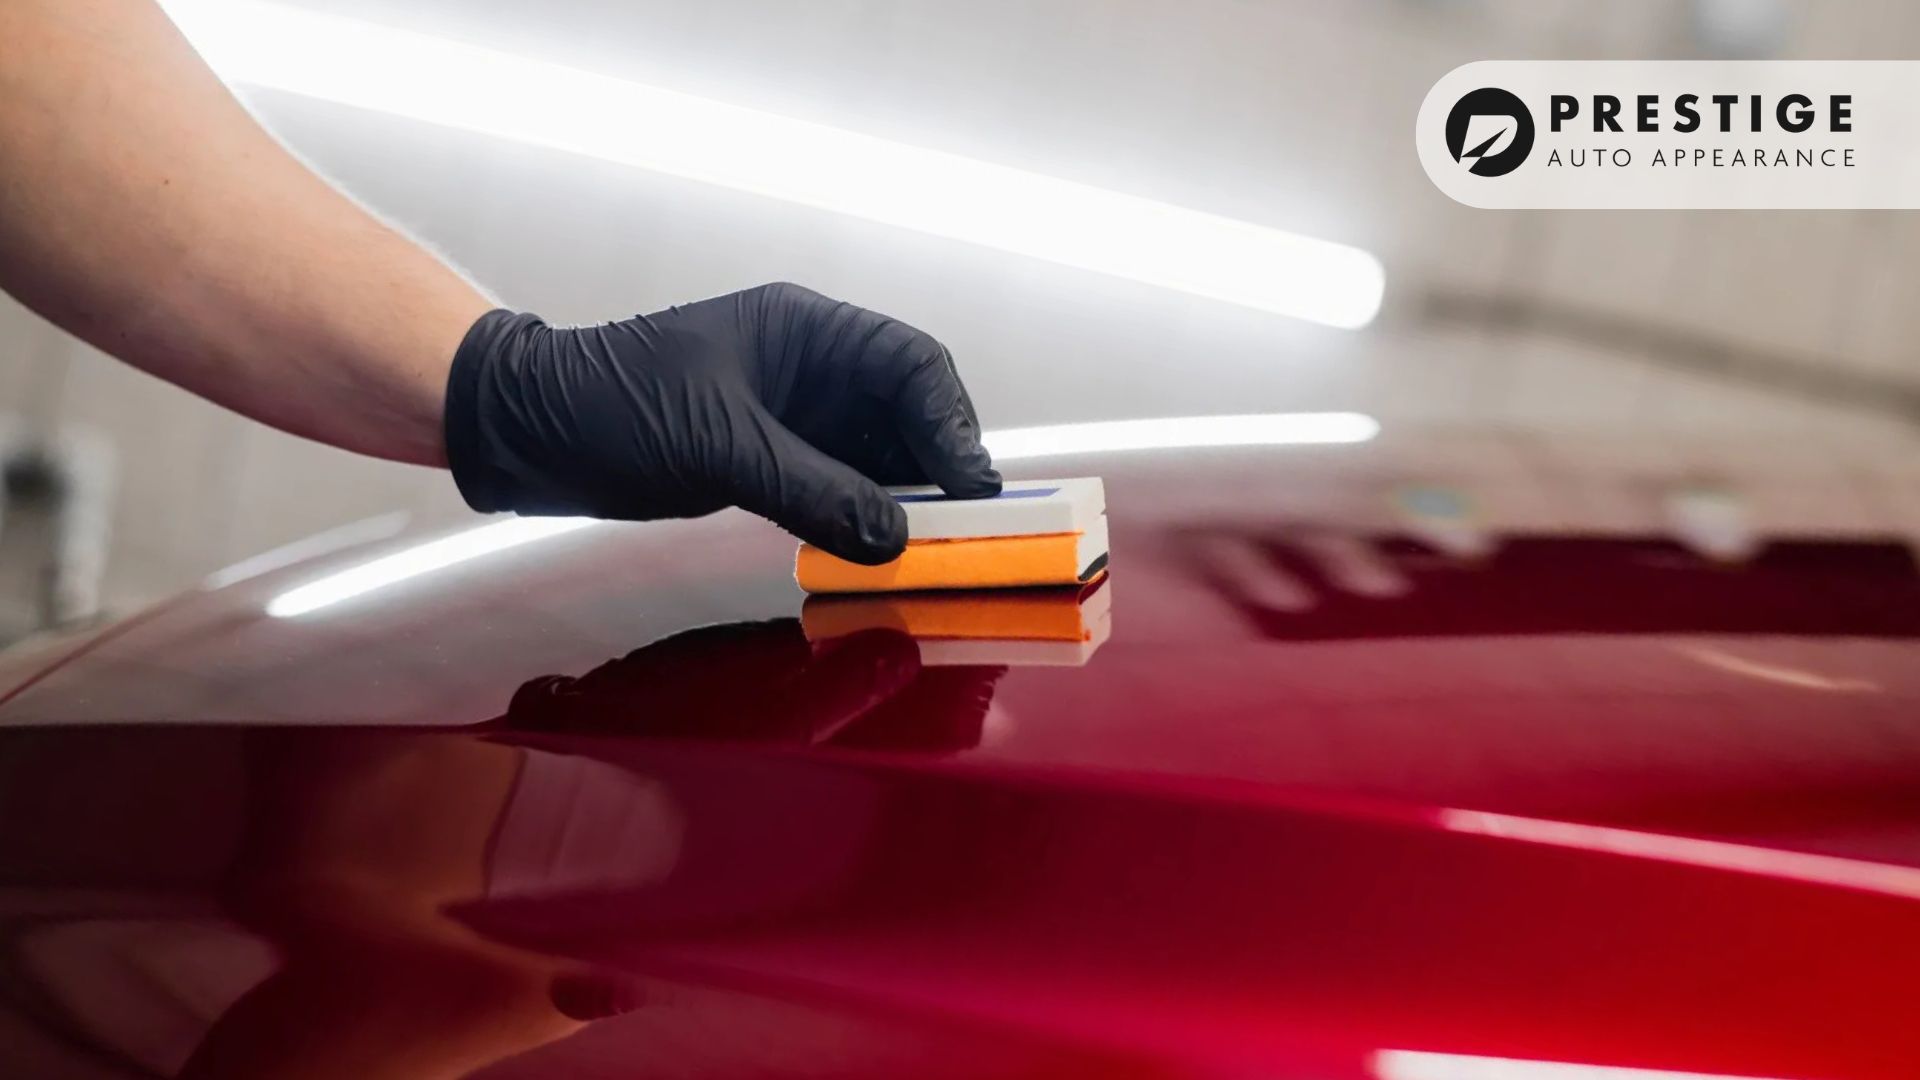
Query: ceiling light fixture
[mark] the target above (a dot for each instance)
(446, 82)
(1181, 433)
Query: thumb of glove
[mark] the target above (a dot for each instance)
(819, 499)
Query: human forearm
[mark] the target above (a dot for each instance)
(143, 210)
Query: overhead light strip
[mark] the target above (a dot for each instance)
(447, 82)
(1180, 433)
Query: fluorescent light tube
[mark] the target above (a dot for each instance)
(1180, 432)
(495, 93)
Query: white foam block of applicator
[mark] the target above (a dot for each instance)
(1023, 508)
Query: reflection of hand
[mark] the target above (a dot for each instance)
(765, 682)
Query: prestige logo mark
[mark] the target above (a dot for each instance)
(1490, 131)
(1674, 134)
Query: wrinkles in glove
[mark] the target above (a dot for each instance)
(777, 399)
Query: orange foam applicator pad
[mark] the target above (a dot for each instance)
(984, 563)
(1034, 532)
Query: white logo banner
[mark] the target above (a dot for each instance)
(1658, 134)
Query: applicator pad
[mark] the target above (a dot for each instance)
(1035, 532)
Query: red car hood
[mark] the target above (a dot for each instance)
(1327, 803)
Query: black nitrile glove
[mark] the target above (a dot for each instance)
(775, 399)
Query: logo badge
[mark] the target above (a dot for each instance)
(1490, 131)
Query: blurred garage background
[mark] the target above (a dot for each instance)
(1720, 376)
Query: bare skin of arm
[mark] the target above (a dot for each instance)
(144, 210)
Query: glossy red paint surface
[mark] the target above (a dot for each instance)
(1327, 804)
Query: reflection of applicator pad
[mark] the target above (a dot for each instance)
(1035, 532)
(1015, 627)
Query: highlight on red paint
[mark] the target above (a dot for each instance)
(1829, 870)
(1429, 1065)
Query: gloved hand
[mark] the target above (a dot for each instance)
(776, 399)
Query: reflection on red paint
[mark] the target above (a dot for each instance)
(1826, 870)
(1426, 1065)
